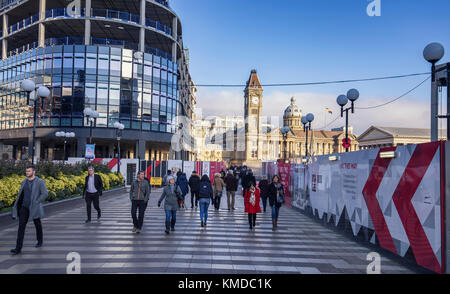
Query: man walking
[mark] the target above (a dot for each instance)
(28, 206)
(194, 184)
(218, 186)
(139, 195)
(232, 185)
(93, 188)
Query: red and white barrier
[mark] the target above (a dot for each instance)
(398, 201)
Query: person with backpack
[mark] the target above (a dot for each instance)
(232, 185)
(251, 200)
(182, 182)
(264, 191)
(205, 197)
(171, 194)
(218, 186)
(194, 185)
(276, 199)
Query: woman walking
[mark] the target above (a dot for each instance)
(251, 200)
(171, 194)
(205, 196)
(276, 199)
(182, 182)
(218, 185)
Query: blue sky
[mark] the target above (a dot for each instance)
(314, 40)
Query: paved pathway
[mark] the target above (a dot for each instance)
(226, 246)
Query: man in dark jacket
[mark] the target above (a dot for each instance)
(232, 185)
(93, 188)
(205, 195)
(28, 206)
(248, 180)
(194, 184)
(139, 195)
(264, 191)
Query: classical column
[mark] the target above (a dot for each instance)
(87, 24)
(142, 29)
(41, 33)
(5, 34)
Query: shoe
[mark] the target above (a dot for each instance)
(15, 251)
(134, 230)
(202, 224)
(38, 245)
(87, 221)
(167, 228)
(251, 228)
(172, 229)
(138, 231)
(234, 208)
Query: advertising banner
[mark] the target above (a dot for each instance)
(206, 168)
(188, 168)
(90, 151)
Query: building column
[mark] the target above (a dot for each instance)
(175, 36)
(141, 152)
(81, 146)
(5, 34)
(142, 29)
(87, 24)
(41, 33)
(51, 149)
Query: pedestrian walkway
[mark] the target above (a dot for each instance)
(226, 246)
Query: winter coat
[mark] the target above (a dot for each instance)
(218, 183)
(249, 208)
(194, 183)
(140, 190)
(208, 192)
(231, 182)
(273, 194)
(171, 198)
(264, 188)
(38, 194)
(248, 179)
(182, 182)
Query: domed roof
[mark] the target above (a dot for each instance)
(293, 111)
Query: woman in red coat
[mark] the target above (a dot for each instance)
(252, 207)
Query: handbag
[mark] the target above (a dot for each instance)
(280, 197)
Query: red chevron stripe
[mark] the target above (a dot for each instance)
(370, 196)
(97, 160)
(407, 187)
(113, 163)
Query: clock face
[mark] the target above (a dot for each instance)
(255, 100)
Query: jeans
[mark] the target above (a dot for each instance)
(171, 215)
(275, 212)
(264, 202)
(204, 205)
(230, 194)
(95, 199)
(194, 198)
(24, 214)
(135, 205)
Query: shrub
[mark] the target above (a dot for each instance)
(67, 192)
(51, 196)
(60, 194)
(78, 191)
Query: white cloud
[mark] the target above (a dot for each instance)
(402, 113)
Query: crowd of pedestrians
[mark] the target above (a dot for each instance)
(203, 193)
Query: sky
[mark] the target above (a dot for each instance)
(296, 41)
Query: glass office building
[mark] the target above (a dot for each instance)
(124, 59)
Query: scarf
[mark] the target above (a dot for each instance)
(252, 197)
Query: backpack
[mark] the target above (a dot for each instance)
(204, 189)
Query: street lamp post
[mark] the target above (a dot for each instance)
(41, 92)
(65, 136)
(306, 121)
(119, 128)
(342, 100)
(433, 53)
(285, 132)
(91, 115)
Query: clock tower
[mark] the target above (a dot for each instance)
(253, 111)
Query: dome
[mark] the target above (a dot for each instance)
(293, 110)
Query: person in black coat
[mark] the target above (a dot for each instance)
(194, 185)
(264, 188)
(93, 189)
(248, 180)
(275, 189)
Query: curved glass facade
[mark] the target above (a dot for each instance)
(138, 89)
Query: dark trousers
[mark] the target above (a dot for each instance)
(194, 198)
(217, 200)
(24, 215)
(135, 206)
(264, 202)
(252, 219)
(92, 198)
